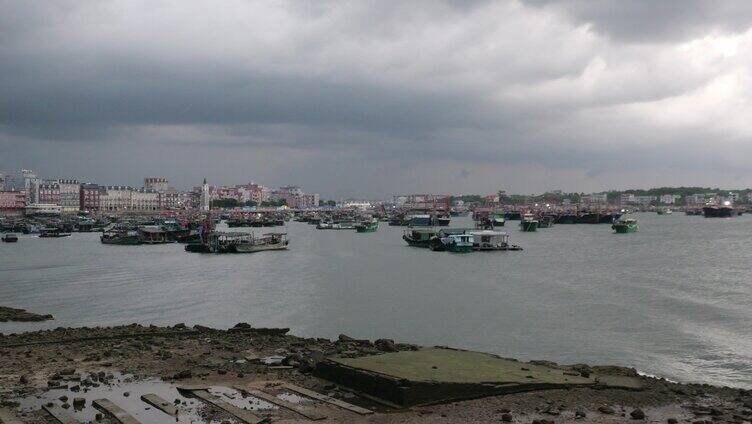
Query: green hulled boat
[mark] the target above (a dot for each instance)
(367, 227)
(624, 226)
(529, 223)
(459, 243)
(419, 237)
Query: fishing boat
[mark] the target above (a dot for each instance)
(459, 243)
(367, 226)
(154, 234)
(719, 211)
(489, 240)
(546, 221)
(623, 226)
(420, 221)
(437, 243)
(512, 215)
(268, 241)
(121, 237)
(53, 233)
(10, 238)
(498, 220)
(529, 223)
(419, 237)
(442, 221)
(662, 211)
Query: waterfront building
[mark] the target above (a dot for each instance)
(30, 186)
(144, 200)
(205, 197)
(12, 202)
(69, 195)
(49, 193)
(89, 197)
(668, 199)
(645, 200)
(158, 184)
(627, 199)
(696, 199)
(595, 198)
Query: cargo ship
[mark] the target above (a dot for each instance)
(719, 211)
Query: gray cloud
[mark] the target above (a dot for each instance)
(373, 98)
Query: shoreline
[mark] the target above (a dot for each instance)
(181, 355)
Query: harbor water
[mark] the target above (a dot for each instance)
(671, 300)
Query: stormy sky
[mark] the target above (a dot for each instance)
(372, 98)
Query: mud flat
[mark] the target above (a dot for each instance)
(246, 374)
(21, 315)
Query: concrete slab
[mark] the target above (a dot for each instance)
(60, 415)
(306, 412)
(114, 411)
(434, 375)
(328, 399)
(243, 415)
(161, 404)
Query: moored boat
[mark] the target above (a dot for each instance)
(623, 226)
(498, 220)
(489, 240)
(459, 243)
(420, 237)
(529, 223)
(546, 221)
(121, 237)
(53, 233)
(367, 226)
(268, 241)
(719, 211)
(10, 238)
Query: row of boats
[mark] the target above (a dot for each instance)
(458, 240)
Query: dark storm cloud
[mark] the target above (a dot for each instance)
(656, 21)
(398, 96)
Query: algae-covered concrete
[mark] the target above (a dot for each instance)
(459, 366)
(433, 375)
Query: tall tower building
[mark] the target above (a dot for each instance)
(205, 197)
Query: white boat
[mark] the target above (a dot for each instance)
(268, 241)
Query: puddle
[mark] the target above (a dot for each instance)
(295, 398)
(125, 391)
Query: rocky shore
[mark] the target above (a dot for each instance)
(76, 360)
(21, 315)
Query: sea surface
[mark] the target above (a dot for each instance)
(673, 300)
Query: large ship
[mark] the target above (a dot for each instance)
(719, 211)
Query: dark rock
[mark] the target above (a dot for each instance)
(385, 345)
(183, 374)
(672, 421)
(606, 410)
(180, 326)
(24, 379)
(637, 414)
(507, 418)
(79, 401)
(242, 326)
(580, 413)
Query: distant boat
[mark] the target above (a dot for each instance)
(269, 241)
(421, 221)
(498, 220)
(442, 221)
(719, 211)
(546, 221)
(53, 233)
(367, 226)
(419, 237)
(529, 223)
(459, 243)
(624, 226)
(121, 237)
(665, 211)
(10, 238)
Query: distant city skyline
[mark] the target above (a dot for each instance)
(370, 98)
